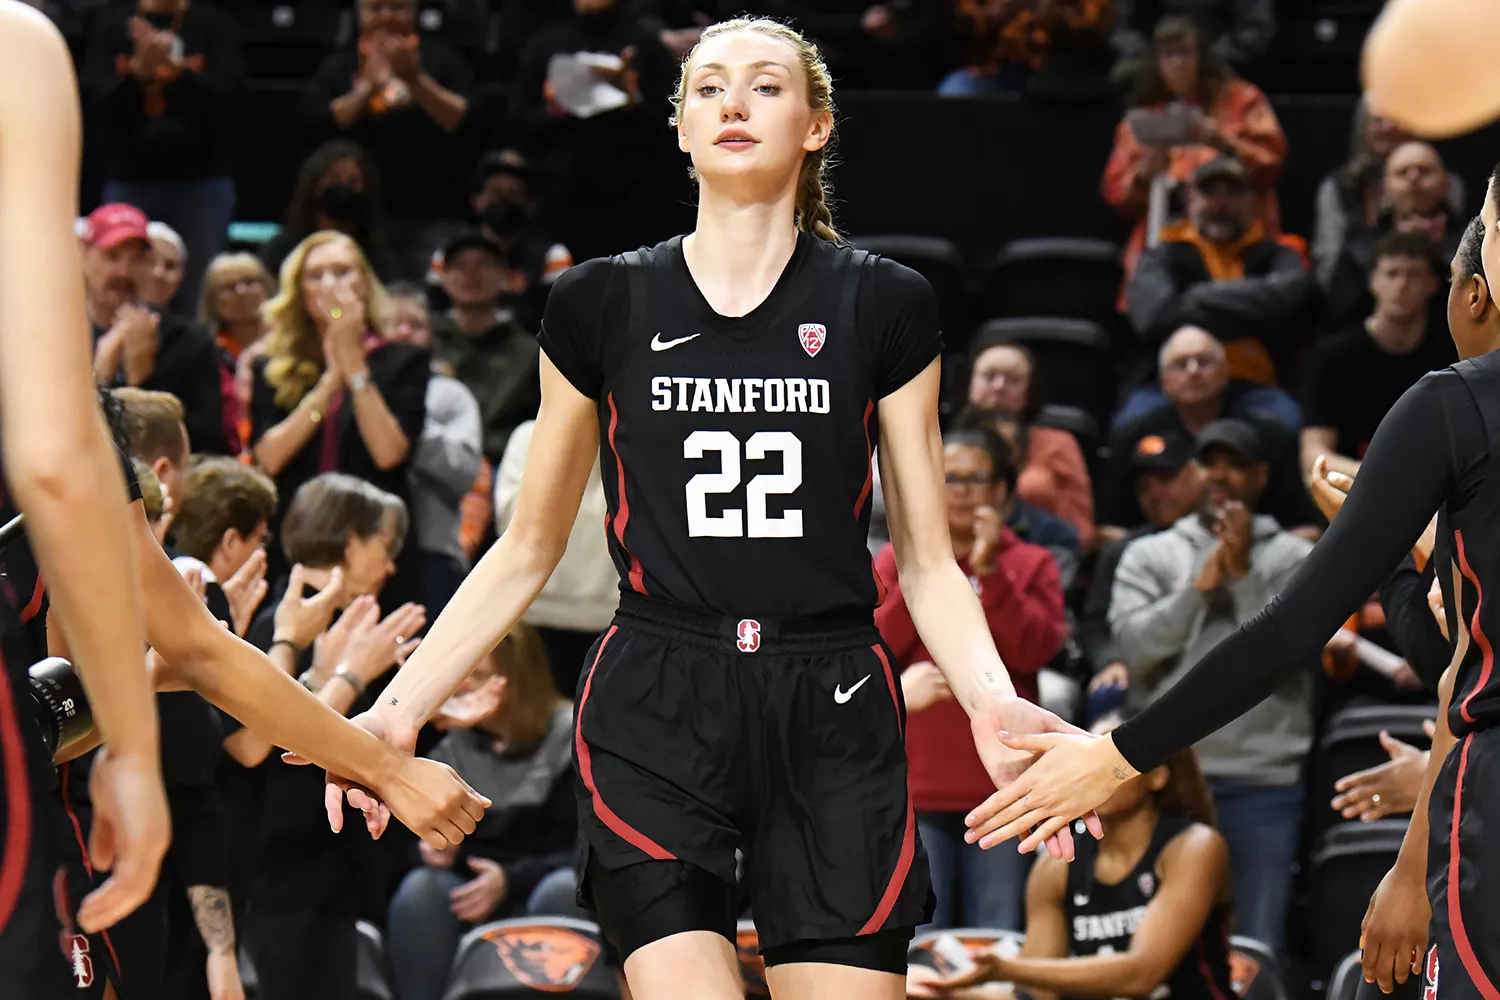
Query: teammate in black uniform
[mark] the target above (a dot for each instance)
(1436, 451)
(1144, 912)
(735, 383)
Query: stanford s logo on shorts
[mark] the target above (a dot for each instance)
(75, 947)
(747, 635)
(812, 336)
(1429, 992)
(549, 959)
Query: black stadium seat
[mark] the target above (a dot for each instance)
(940, 262)
(752, 966)
(529, 957)
(1346, 978)
(1074, 361)
(1349, 863)
(938, 949)
(1254, 971)
(1078, 278)
(1351, 742)
(370, 973)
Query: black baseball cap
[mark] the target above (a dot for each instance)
(1161, 453)
(1238, 436)
(501, 161)
(470, 240)
(1222, 168)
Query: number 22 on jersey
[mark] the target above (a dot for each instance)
(754, 520)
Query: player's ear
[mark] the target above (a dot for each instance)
(1478, 296)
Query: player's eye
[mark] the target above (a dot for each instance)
(769, 89)
(708, 89)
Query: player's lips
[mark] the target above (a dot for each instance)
(736, 138)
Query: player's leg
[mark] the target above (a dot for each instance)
(872, 966)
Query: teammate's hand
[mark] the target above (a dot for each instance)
(1074, 774)
(224, 976)
(432, 800)
(477, 898)
(1394, 934)
(245, 590)
(300, 620)
(1005, 762)
(130, 834)
(1390, 788)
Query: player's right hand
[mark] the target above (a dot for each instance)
(433, 801)
(1393, 937)
(130, 834)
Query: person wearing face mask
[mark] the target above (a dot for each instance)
(338, 189)
(401, 96)
(162, 79)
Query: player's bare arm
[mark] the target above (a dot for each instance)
(62, 469)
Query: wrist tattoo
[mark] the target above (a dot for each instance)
(394, 702)
(1120, 774)
(215, 918)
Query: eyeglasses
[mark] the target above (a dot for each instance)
(1193, 362)
(977, 479)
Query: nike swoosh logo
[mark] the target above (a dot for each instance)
(841, 696)
(657, 344)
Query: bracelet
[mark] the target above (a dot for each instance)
(289, 644)
(349, 677)
(358, 382)
(306, 679)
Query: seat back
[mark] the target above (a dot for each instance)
(531, 956)
(752, 966)
(371, 978)
(940, 262)
(1254, 970)
(1347, 866)
(1077, 278)
(1346, 978)
(1351, 742)
(1075, 365)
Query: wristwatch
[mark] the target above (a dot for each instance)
(358, 382)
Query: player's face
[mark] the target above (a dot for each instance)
(745, 113)
(970, 476)
(1001, 380)
(1469, 312)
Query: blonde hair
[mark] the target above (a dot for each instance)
(813, 214)
(214, 281)
(293, 348)
(530, 694)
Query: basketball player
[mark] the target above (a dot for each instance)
(1427, 65)
(735, 383)
(1437, 450)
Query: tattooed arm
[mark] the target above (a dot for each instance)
(215, 921)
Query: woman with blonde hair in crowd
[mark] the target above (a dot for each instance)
(331, 393)
(235, 286)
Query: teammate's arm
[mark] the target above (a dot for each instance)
(59, 461)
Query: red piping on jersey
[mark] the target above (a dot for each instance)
(35, 604)
(18, 802)
(864, 493)
(1488, 663)
(607, 815)
(909, 836)
(1206, 972)
(66, 772)
(1455, 910)
(637, 572)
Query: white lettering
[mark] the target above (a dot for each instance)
(702, 398)
(775, 400)
(1107, 926)
(729, 395)
(752, 392)
(683, 384)
(796, 395)
(818, 391)
(661, 390)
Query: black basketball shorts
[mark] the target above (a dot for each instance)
(1463, 873)
(696, 735)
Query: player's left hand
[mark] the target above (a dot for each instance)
(1073, 774)
(1005, 761)
(337, 788)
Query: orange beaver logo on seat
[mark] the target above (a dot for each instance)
(550, 959)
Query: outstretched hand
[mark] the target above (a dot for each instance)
(1073, 774)
(1006, 761)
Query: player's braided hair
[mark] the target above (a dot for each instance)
(813, 213)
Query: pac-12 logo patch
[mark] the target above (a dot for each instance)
(812, 336)
(1429, 991)
(747, 635)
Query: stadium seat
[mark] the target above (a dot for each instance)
(1254, 971)
(371, 979)
(1351, 742)
(1346, 978)
(1074, 362)
(248, 978)
(1076, 278)
(530, 956)
(752, 966)
(940, 262)
(944, 950)
(1346, 868)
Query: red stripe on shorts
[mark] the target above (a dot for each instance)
(1455, 910)
(607, 815)
(909, 835)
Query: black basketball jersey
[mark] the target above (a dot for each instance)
(1102, 919)
(736, 452)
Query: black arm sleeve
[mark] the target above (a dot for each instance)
(1405, 476)
(1410, 623)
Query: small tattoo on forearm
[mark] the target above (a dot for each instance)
(394, 701)
(989, 677)
(1120, 774)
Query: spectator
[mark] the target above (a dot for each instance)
(401, 96)
(235, 286)
(622, 157)
(1227, 116)
(447, 457)
(503, 200)
(1415, 192)
(482, 343)
(162, 273)
(1019, 589)
(510, 735)
(153, 424)
(331, 393)
(1236, 31)
(1218, 269)
(311, 884)
(337, 190)
(1168, 487)
(138, 347)
(1195, 380)
(1351, 198)
(1268, 401)
(223, 521)
(1055, 477)
(1008, 42)
(578, 600)
(162, 78)
(1356, 375)
(1176, 595)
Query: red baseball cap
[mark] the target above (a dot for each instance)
(110, 225)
